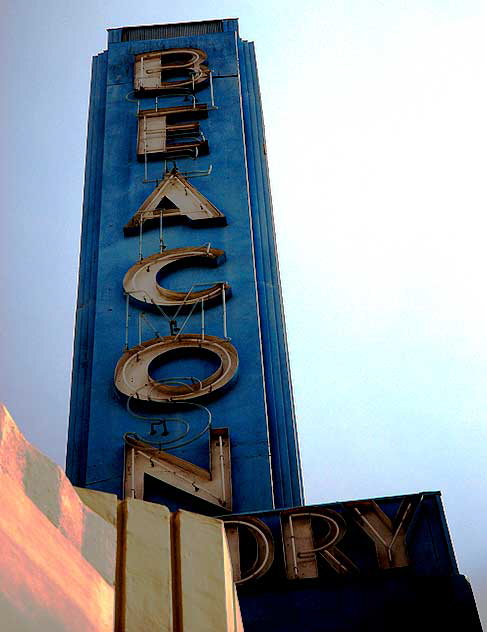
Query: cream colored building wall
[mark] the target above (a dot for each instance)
(79, 560)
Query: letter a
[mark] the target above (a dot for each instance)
(175, 199)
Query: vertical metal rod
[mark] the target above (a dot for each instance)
(140, 328)
(211, 90)
(141, 84)
(127, 321)
(224, 301)
(222, 469)
(161, 240)
(141, 222)
(132, 478)
(157, 103)
(145, 148)
(293, 546)
(202, 319)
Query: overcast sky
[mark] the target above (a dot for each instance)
(376, 129)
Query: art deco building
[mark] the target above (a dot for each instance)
(179, 292)
(181, 391)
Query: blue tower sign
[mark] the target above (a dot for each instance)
(181, 390)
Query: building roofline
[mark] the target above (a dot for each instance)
(135, 26)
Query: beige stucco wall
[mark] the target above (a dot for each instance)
(79, 560)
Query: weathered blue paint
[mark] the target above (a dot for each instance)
(258, 408)
(427, 595)
(85, 314)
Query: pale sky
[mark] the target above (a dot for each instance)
(376, 130)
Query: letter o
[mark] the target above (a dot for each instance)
(132, 371)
